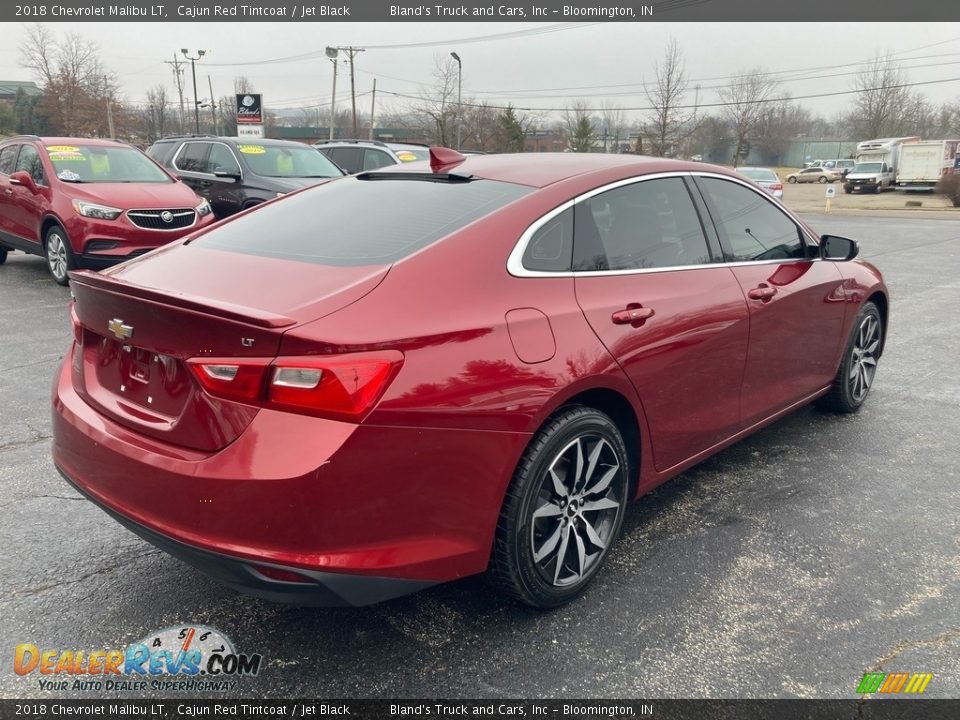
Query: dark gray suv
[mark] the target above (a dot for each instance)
(234, 174)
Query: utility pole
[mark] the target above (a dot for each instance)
(373, 106)
(333, 53)
(351, 54)
(213, 106)
(178, 81)
(193, 70)
(459, 96)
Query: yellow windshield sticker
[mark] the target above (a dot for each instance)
(406, 156)
(252, 149)
(62, 149)
(67, 157)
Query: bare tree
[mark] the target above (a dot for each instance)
(578, 126)
(157, 115)
(880, 99)
(76, 87)
(614, 125)
(435, 113)
(744, 100)
(780, 122)
(242, 84)
(669, 123)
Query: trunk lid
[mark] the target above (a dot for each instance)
(136, 338)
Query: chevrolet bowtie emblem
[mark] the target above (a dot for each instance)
(121, 331)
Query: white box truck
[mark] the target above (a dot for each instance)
(876, 166)
(922, 164)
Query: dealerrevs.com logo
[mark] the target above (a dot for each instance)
(187, 658)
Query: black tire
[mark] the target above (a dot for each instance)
(822, 180)
(61, 262)
(792, 180)
(3, 255)
(581, 539)
(856, 374)
(878, 189)
(847, 190)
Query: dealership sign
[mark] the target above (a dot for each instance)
(249, 109)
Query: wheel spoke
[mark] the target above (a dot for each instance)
(558, 486)
(592, 460)
(581, 553)
(854, 370)
(601, 504)
(548, 509)
(562, 552)
(603, 483)
(867, 360)
(872, 347)
(592, 534)
(549, 544)
(578, 472)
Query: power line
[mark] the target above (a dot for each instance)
(786, 98)
(558, 27)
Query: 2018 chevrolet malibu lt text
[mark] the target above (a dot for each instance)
(430, 371)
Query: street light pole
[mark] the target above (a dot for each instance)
(459, 96)
(333, 53)
(193, 70)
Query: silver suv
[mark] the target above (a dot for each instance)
(359, 155)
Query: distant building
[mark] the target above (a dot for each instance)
(9, 88)
(544, 141)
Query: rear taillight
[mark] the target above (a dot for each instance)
(233, 379)
(777, 186)
(341, 387)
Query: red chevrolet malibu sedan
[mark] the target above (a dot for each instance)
(429, 371)
(84, 203)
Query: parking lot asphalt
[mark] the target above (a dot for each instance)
(786, 566)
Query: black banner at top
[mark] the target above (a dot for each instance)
(479, 11)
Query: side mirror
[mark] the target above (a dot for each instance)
(834, 247)
(22, 177)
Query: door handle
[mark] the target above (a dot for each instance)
(762, 292)
(634, 314)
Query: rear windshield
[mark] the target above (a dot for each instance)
(104, 164)
(361, 222)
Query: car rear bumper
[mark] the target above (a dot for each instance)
(324, 589)
(318, 497)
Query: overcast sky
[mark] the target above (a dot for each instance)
(544, 68)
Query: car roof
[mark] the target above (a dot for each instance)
(542, 169)
(79, 141)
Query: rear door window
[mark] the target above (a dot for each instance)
(362, 222)
(643, 225)
(349, 158)
(193, 157)
(8, 159)
(373, 159)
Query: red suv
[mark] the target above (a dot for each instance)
(89, 203)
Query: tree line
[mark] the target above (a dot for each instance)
(753, 111)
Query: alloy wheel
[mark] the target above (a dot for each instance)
(863, 362)
(576, 510)
(57, 255)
